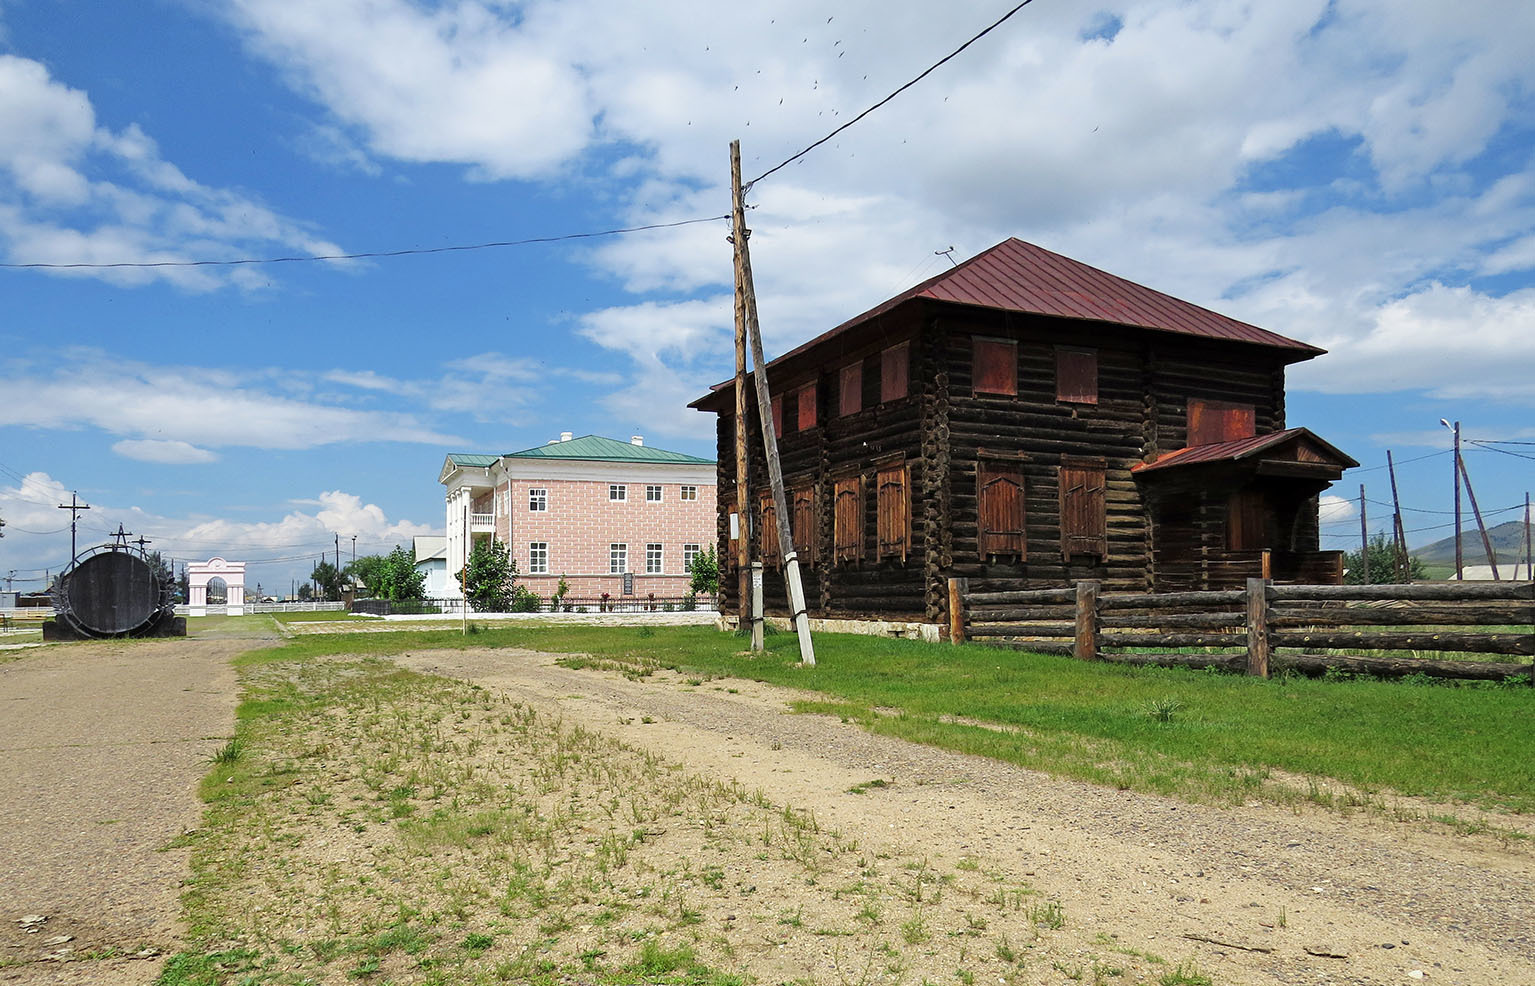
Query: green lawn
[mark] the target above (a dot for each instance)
(1197, 735)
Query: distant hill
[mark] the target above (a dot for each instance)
(1507, 541)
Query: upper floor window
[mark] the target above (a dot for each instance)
(538, 500)
(850, 389)
(538, 558)
(805, 400)
(1219, 421)
(652, 494)
(994, 366)
(688, 493)
(653, 559)
(618, 492)
(1076, 376)
(893, 373)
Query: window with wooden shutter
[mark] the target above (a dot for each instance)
(777, 415)
(802, 508)
(850, 389)
(770, 552)
(1000, 510)
(1076, 376)
(1218, 421)
(1084, 513)
(994, 366)
(893, 522)
(893, 373)
(806, 401)
(847, 518)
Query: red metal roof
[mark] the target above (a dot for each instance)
(1021, 277)
(1242, 448)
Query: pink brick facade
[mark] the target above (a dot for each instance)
(580, 520)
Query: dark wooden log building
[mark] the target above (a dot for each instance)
(1024, 420)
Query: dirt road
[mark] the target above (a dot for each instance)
(101, 750)
(1297, 896)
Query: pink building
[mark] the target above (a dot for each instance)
(590, 509)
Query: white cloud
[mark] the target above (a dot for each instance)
(78, 192)
(1336, 510)
(170, 452)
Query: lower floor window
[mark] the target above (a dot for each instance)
(618, 559)
(690, 552)
(652, 559)
(538, 558)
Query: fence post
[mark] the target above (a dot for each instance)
(1258, 627)
(1085, 647)
(958, 589)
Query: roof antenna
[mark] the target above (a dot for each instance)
(947, 254)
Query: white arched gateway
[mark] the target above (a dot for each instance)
(228, 575)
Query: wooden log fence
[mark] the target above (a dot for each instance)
(1377, 629)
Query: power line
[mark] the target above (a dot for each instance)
(925, 73)
(371, 254)
(1403, 462)
(1491, 448)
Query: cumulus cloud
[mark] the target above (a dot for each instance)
(1336, 510)
(168, 452)
(74, 191)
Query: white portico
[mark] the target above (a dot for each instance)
(217, 585)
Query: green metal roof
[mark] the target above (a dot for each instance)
(472, 459)
(595, 448)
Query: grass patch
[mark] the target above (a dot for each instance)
(1193, 734)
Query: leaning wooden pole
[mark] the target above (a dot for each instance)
(1476, 512)
(1398, 535)
(765, 409)
(1529, 563)
(1364, 542)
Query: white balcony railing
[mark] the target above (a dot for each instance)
(482, 522)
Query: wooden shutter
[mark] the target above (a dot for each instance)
(777, 415)
(893, 521)
(847, 519)
(802, 508)
(806, 401)
(1084, 514)
(994, 367)
(893, 373)
(1218, 421)
(999, 489)
(1076, 376)
(850, 389)
(770, 553)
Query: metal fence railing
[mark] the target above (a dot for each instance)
(569, 604)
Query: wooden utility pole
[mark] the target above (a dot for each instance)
(74, 506)
(1364, 541)
(1476, 511)
(1403, 566)
(765, 408)
(743, 475)
(1529, 563)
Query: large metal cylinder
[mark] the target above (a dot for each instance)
(112, 592)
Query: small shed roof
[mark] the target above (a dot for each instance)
(1297, 444)
(429, 547)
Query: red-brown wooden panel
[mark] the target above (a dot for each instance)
(894, 370)
(770, 553)
(893, 520)
(777, 415)
(999, 487)
(802, 507)
(1076, 376)
(850, 389)
(1084, 513)
(1218, 421)
(1248, 517)
(807, 407)
(847, 519)
(995, 367)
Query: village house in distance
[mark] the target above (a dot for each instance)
(1024, 420)
(593, 510)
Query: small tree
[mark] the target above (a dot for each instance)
(705, 571)
(365, 572)
(1378, 566)
(305, 592)
(489, 579)
(398, 578)
(327, 580)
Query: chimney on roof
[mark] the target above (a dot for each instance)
(636, 439)
(566, 436)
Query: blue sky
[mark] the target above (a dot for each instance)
(1355, 174)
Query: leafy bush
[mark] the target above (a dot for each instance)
(489, 579)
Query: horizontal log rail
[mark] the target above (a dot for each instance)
(1300, 628)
